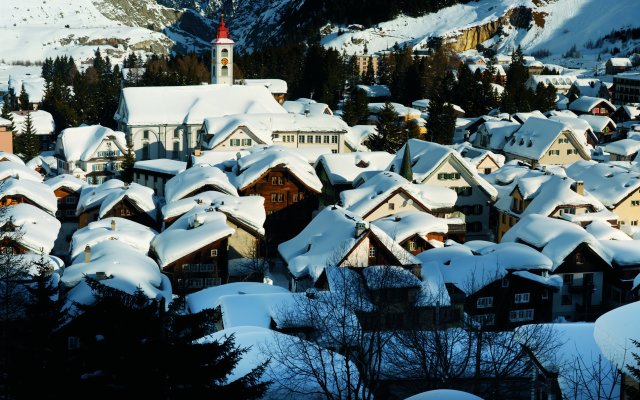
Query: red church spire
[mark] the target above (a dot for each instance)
(223, 31)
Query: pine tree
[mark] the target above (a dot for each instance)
(442, 120)
(631, 391)
(23, 99)
(516, 96)
(6, 112)
(127, 164)
(390, 133)
(405, 168)
(28, 143)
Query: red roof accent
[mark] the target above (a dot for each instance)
(223, 31)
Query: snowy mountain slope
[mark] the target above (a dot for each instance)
(555, 25)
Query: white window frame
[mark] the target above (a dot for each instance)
(521, 298)
(484, 302)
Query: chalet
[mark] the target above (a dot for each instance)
(376, 93)
(501, 286)
(193, 250)
(23, 191)
(115, 198)
(416, 231)
(28, 229)
(404, 114)
(245, 215)
(626, 113)
(288, 184)
(350, 242)
(578, 258)
(616, 65)
(169, 128)
(357, 135)
(240, 132)
(434, 164)
(18, 170)
(534, 66)
(483, 160)
(154, 174)
(588, 87)
(492, 135)
(307, 107)
(67, 190)
(592, 105)
(580, 127)
(562, 83)
(542, 141)
(43, 125)
(623, 149)
(7, 156)
(198, 179)
(337, 172)
(603, 126)
(616, 187)
(277, 87)
(626, 88)
(551, 196)
(211, 297)
(93, 153)
(6, 136)
(522, 117)
(625, 260)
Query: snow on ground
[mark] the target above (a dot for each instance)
(614, 332)
(210, 297)
(444, 394)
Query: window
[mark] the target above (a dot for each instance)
(318, 139)
(505, 282)
(634, 223)
(212, 282)
(521, 315)
(521, 298)
(277, 197)
(295, 198)
(224, 71)
(176, 150)
(463, 190)
(485, 319)
(301, 138)
(372, 252)
(635, 203)
(194, 283)
(554, 152)
(214, 252)
(145, 135)
(125, 212)
(176, 133)
(234, 142)
(70, 199)
(545, 294)
(477, 209)
(334, 151)
(567, 279)
(326, 139)
(484, 302)
(224, 53)
(412, 245)
(277, 180)
(309, 139)
(487, 171)
(334, 139)
(392, 206)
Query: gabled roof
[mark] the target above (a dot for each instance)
(607, 182)
(620, 62)
(194, 230)
(39, 193)
(586, 103)
(343, 168)
(177, 105)
(589, 87)
(253, 166)
(18, 170)
(524, 116)
(65, 181)
(499, 132)
(36, 230)
(375, 90)
(304, 107)
(162, 165)
(112, 192)
(195, 178)
(42, 121)
(598, 122)
(10, 156)
(375, 191)
(128, 232)
(248, 210)
(79, 144)
(400, 109)
(211, 296)
(536, 135)
(475, 155)
(406, 224)
(623, 147)
(427, 157)
(275, 86)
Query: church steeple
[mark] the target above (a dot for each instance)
(222, 56)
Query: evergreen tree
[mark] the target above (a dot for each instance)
(127, 164)
(632, 391)
(405, 168)
(442, 120)
(390, 133)
(516, 96)
(27, 143)
(545, 97)
(6, 112)
(23, 99)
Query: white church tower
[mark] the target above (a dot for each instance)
(222, 56)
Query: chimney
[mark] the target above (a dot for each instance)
(100, 276)
(360, 228)
(197, 152)
(397, 218)
(113, 224)
(87, 254)
(579, 187)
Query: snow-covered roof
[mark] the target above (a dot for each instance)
(498, 132)
(586, 103)
(39, 193)
(559, 81)
(475, 155)
(620, 62)
(163, 166)
(197, 177)
(624, 253)
(598, 122)
(603, 230)
(80, 143)
(126, 268)
(306, 107)
(444, 394)
(111, 192)
(37, 229)
(47, 163)
(41, 120)
(248, 210)
(583, 372)
(377, 189)
(357, 134)
(343, 168)
(426, 157)
(375, 90)
(177, 105)
(560, 113)
(217, 158)
(66, 181)
(275, 86)
(210, 297)
(256, 309)
(589, 87)
(253, 166)
(623, 147)
(607, 182)
(536, 135)
(192, 231)
(524, 116)
(400, 109)
(557, 238)
(615, 332)
(580, 127)
(404, 225)
(18, 170)
(129, 232)
(6, 156)
(264, 126)
(327, 239)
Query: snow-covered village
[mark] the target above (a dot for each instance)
(354, 199)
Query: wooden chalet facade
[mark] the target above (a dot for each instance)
(67, 204)
(125, 208)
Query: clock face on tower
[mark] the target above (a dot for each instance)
(224, 61)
